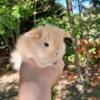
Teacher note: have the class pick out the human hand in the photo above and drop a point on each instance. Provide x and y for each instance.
(35, 82)
(30, 72)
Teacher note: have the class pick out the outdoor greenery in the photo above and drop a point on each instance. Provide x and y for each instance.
(82, 57)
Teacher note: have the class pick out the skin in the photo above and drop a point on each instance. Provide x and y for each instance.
(36, 83)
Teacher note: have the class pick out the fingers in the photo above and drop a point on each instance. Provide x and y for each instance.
(29, 62)
(27, 67)
(50, 74)
(56, 71)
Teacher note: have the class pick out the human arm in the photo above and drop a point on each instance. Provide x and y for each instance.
(35, 82)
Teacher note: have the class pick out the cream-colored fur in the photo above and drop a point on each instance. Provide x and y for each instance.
(31, 45)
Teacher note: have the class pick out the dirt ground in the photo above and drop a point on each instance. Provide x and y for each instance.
(65, 89)
(9, 87)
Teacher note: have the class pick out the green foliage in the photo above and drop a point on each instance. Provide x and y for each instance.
(12, 14)
(53, 20)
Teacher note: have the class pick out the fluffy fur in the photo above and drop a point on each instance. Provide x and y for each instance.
(44, 44)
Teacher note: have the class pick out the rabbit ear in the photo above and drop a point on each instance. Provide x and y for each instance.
(67, 38)
(34, 33)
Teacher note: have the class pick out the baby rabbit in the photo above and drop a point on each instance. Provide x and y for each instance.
(44, 44)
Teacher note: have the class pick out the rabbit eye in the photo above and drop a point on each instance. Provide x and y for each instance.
(46, 44)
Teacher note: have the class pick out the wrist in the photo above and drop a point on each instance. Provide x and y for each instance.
(32, 89)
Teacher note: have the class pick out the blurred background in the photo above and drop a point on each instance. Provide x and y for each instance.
(81, 77)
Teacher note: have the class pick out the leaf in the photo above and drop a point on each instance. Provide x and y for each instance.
(15, 12)
(71, 58)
